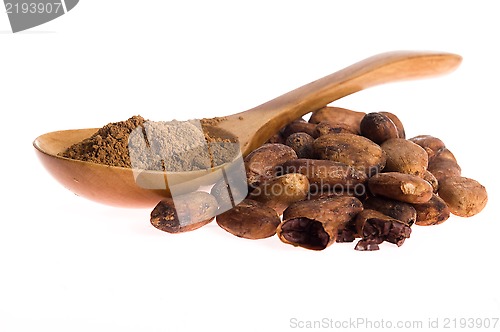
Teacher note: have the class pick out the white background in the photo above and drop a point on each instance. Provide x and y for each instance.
(68, 264)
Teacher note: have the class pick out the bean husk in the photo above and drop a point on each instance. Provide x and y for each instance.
(315, 224)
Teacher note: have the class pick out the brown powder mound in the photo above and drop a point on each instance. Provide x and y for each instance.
(172, 146)
(108, 146)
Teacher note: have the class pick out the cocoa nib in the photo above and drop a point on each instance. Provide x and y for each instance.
(347, 234)
(376, 230)
(306, 233)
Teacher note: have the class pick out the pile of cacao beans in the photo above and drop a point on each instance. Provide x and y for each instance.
(340, 176)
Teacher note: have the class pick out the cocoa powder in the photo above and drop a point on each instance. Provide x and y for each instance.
(108, 146)
(172, 146)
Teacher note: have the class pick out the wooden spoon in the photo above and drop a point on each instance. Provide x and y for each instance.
(119, 186)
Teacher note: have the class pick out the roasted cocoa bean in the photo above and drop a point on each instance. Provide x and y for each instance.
(250, 220)
(315, 224)
(378, 127)
(464, 196)
(338, 117)
(327, 175)
(374, 228)
(443, 154)
(276, 138)
(429, 177)
(401, 211)
(404, 156)
(444, 168)
(261, 163)
(433, 212)
(298, 126)
(402, 187)
(232, 188)
(353, 150)
(397, 122)
(278, 193)
(302, 144)
(324, 128)
(184, 213)
(432, 145)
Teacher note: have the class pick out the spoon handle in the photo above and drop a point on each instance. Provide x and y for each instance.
(253, 127)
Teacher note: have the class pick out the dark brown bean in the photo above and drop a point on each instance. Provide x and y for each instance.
(378, 127)
(397, 122)
(298, 126)
(402, 211)
(302, 144)
(276, 138)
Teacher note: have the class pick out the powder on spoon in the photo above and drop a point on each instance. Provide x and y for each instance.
(164, 145)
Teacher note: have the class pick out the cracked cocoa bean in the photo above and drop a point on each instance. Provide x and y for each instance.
(374, 228)
(315, 224)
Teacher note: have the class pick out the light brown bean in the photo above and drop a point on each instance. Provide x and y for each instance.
(353, 150)
(464, 196)
(405, 156)
(250, 220)
(402, 187)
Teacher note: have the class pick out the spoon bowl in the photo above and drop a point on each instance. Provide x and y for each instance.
(126, 187)
(112, 185)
